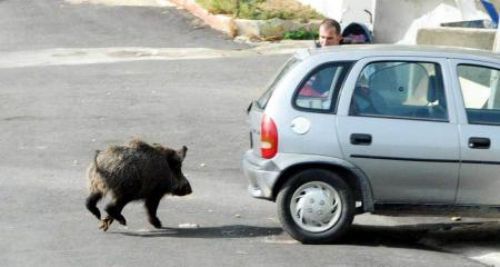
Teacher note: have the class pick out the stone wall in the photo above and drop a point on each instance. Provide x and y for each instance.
(459, 37)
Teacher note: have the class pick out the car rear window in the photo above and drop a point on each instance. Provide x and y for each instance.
(320, 89)
(290, 64)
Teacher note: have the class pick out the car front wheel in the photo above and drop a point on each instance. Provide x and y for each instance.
(316, 206)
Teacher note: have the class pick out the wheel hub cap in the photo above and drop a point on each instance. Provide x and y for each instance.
(315, 206)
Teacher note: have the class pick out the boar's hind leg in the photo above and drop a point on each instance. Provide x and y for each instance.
(151, 206)
(91, 203)
(105, 223)
(114, 210)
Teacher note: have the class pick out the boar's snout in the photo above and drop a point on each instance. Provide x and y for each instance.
(183, 189)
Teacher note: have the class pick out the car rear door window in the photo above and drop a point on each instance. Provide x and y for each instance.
(480, 92)
(320, 89)
(400, 89)
(289, 65)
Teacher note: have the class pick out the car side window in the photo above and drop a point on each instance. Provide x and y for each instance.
(319, 91)
(399, 89)
(480, 92)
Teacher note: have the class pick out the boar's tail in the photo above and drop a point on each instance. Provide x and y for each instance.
(95, 157)
(95, 174)
(97, 188)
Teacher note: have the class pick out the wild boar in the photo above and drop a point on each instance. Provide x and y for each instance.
(136, 171)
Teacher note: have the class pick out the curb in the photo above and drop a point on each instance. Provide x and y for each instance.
(219, 22)
(263, 30)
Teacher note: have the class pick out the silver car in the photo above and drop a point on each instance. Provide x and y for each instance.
(383, 129)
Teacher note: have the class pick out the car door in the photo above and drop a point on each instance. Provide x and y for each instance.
(397, 125)
(478, 85)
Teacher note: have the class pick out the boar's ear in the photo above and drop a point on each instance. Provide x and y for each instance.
(182, 152)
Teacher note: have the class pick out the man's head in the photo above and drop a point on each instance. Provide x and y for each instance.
(329, 33)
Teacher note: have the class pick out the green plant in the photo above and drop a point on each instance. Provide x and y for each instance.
(261, 9)
(301, 34)
(219, 6)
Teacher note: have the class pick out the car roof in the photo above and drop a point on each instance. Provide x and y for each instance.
(362, 51)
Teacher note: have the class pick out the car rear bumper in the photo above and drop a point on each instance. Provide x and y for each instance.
(261, 173)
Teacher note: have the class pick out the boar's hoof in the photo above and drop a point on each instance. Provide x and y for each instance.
(105, 223)
(122, 220)
(155, 222)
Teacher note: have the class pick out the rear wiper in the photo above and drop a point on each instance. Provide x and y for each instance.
(249, 107)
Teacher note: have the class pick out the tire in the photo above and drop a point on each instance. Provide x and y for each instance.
(323, 209)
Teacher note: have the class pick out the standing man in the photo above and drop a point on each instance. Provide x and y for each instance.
(319, 85)
(329, 33)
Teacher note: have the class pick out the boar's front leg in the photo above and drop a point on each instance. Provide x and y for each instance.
(151, 204)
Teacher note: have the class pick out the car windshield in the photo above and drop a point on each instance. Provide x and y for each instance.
(290, 64)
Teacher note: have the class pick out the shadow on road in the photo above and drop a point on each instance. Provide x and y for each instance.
(227, 231)
(426, 236)
(419, 236)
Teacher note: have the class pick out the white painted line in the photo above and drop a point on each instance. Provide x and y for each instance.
(280, 240)
(492, 259)
(144, 3)
(83, 56)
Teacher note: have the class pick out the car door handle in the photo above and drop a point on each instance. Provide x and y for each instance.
(479, 143)
(361, 139)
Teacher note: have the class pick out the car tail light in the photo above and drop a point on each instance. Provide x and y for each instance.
(268, 137)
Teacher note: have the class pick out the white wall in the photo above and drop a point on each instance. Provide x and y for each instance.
(329, 8)
(398, 21)
(344, 11)
(354, 11)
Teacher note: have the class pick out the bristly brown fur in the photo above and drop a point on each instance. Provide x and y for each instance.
(136, 171)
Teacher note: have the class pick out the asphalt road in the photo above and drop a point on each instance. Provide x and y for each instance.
(53, 117)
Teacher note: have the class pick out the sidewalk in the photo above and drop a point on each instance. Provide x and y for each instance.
(153, 3)
(83, 56)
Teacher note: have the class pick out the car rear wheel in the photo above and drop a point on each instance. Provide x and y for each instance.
(316, 206)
